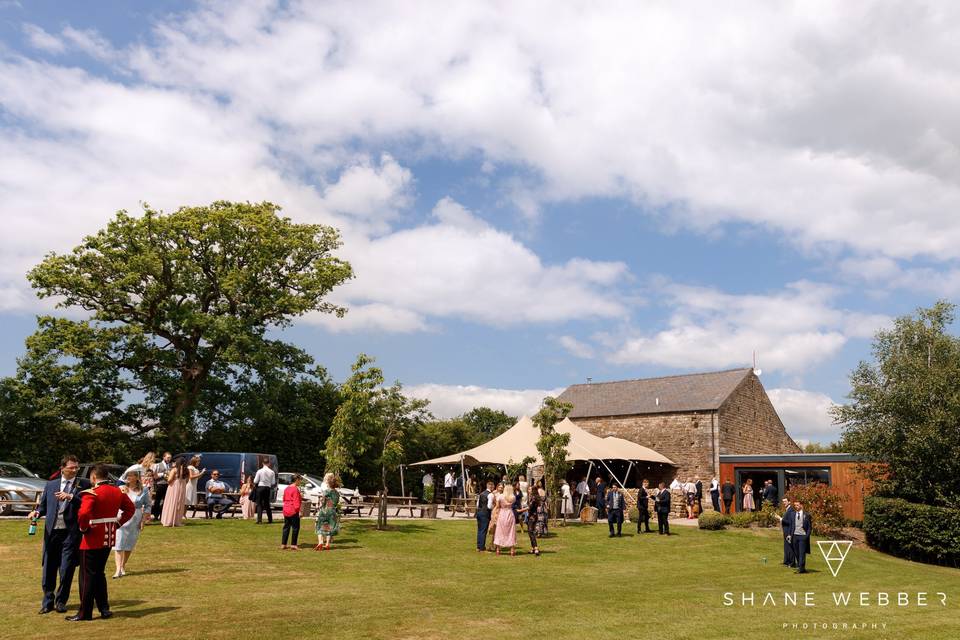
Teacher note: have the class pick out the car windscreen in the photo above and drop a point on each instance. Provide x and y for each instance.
(13, 470)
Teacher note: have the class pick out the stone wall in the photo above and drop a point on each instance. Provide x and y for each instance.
(685, 438)
(749, 424)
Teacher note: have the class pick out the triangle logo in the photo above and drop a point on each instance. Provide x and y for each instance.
(834, 552)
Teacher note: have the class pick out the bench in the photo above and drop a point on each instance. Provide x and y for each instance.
(466, 505)
(400, 503)
(201, 504)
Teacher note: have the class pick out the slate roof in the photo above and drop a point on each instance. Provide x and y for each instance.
(691, 392)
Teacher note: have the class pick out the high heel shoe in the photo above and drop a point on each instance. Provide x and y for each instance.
(513, 552)
(116, 575)
(319, 547)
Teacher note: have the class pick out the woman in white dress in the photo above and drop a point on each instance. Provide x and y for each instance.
(129, 533)
(567, 497)
(194, 476)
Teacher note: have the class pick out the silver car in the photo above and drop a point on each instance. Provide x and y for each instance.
(20, 488)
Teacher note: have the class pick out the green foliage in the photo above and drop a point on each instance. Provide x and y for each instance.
(823, 503)
(552, 446)
(180, 304)
(634, 514)
(515, 469)
(712, 520)
(918, 532)
(488, 423)
(817, 447)
(905, 407)
(741, 519)
(767, 516)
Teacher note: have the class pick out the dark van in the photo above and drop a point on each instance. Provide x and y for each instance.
(233, 467)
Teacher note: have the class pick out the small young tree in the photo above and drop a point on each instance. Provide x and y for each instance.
(399, 416)
(357, 421)
(552, 447)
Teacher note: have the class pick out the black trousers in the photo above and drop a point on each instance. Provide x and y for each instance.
(644, 519)
(663, 523)
(159, 497)
(788, 558)
(60, 557)
(291, 528)
(532, 533)
(615, 516)
(800, 552)
(93, 581)
(715, 499)
(263, 504)
(727, 505)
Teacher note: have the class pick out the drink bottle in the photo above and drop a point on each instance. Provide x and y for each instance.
(32, 531)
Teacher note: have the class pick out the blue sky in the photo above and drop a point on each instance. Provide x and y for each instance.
(529, 197)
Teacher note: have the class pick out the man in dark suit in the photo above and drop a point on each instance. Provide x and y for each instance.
(728, 491)
(798, 533)
(98, 522)
(484, 508)
(770, 493)
(699, 494)
(59, 504)
(643, 507)
(601, 499)
(788, 514)
(663, 509)
(614, 506)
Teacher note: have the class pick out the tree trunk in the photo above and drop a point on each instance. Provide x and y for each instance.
(382, 512)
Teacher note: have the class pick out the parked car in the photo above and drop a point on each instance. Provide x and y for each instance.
(113, 471)
(17, 483)
(233, 467)
(310, 488)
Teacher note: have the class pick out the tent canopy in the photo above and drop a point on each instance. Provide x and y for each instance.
(520, 441)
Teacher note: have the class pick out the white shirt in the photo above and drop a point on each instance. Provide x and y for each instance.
(448, 480)
(583, 488)
(427, 480)
(565, 490)
(714, 485)
(675, 484)
(690, 487)
(61, 523)
(266, 477)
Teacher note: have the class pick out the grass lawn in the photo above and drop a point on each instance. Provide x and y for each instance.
(422, 579)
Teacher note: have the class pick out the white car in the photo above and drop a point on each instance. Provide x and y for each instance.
(19, 488)
(310, 488)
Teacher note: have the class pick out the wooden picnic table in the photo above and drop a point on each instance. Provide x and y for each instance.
(8, 502)
(201, 503)
(467, 505)
(399, 502)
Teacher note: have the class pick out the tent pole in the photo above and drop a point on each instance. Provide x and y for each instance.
(589, 469)
(463, 477)
(403, 490)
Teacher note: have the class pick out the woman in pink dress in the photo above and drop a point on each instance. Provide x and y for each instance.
(248, 507)
(174, 504)
(506, 535)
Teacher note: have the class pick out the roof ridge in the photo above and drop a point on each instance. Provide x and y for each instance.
(679, 375)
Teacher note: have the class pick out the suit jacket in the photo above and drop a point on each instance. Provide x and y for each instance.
(98, 518)
(49, 505)
(609, 501)
(699, 486)
(728, 490)
(770, 493)
(789, 519)
(663, 501)
(602, 492)
(642, 496)
(792, 525)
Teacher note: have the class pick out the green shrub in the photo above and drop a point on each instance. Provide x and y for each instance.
(918, 532)
(634, 514)
(767, 516)
(823, 503)
(428, 493)
(712, 520)
(741, 519)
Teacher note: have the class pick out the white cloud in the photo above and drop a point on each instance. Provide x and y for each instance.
(830, 123)
(448, 401)
(805, 414)
(371, 194)
(40, 39)
(576, 347)
(370, 317)
(790, 330)
(91, 43)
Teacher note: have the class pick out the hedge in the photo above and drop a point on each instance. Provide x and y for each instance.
(913, 531)
(712, 520)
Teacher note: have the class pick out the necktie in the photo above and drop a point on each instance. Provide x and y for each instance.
(66, 489)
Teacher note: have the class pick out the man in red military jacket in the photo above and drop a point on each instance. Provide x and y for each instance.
(98, 522)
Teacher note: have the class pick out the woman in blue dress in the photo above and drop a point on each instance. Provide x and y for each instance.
(129, 533)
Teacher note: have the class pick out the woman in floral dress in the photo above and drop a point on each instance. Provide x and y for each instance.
(328, 518)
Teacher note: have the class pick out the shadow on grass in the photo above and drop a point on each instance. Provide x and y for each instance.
(405, 528)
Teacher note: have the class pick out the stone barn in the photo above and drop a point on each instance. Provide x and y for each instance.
(692, 419)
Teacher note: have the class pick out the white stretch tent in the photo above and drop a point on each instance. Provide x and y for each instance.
(520, 441)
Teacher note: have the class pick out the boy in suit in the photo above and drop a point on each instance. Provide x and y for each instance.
(788, 515)
(59, 504)
(663, 509)
(614, 504)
